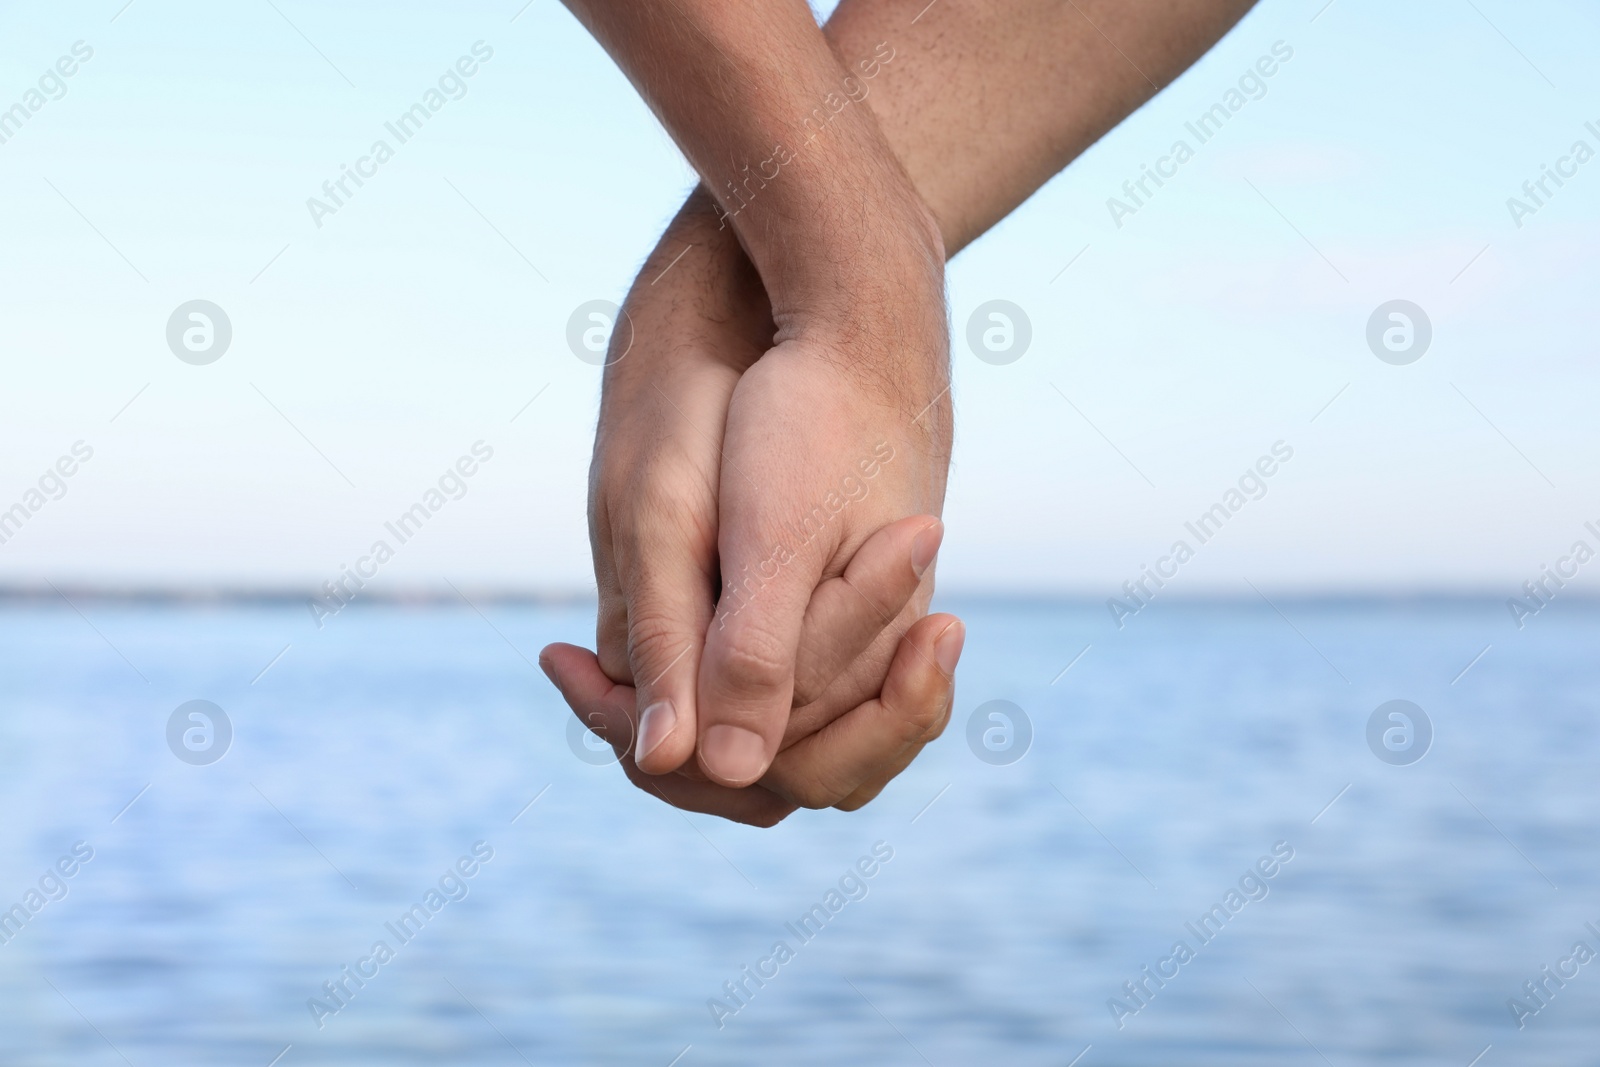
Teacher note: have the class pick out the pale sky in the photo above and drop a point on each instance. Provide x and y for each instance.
(371, 353)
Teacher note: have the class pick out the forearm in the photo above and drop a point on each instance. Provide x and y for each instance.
(983, 101)
(986, 100)
(758, 103)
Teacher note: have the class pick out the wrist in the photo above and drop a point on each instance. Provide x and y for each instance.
(880, 300)
(824, 204)
(875, 294)
(696, 295)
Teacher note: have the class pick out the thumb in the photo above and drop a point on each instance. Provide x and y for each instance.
(747, 671)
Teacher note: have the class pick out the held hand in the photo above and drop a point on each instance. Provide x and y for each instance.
(850, 238)
(845, 764)
(818, 456)
(851, 259)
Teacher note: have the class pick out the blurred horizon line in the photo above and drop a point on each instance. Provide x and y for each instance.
(471, 595)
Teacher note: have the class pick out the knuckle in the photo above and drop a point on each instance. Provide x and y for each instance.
(670, 506)
(821, 660)
(881, 596)
(611, 640)
(916, 719)
(809, 684)
(868, 791)
(936, 730)
(752, 661)
(654, 639)
(814, 790)
(933, 724)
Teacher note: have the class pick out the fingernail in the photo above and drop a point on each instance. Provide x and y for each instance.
(925, 547)
(544, 665)
(655, 723)
(733, 754)
(947, 649)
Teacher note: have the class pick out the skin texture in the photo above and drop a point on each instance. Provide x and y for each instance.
(801, 325)
(653, 510)
(858, 348)
(986, 100)
(843, 764)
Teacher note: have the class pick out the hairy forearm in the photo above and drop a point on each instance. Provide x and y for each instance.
(980, 101)
(986, 100)
(750, 93)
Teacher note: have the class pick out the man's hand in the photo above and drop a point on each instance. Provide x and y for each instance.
(654, 515)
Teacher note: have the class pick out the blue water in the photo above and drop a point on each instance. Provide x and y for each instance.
(1170, 758)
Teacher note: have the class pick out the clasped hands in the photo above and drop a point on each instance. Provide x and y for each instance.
(763, 515)
(771, 456)
(772, 449)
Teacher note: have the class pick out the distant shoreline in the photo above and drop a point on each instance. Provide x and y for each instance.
(281, 595)
(445, 596)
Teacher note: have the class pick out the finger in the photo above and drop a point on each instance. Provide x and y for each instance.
(669, 607)
(848, 612)
(747, 669)
(830, 765)
(753, 805)
(776, 540)
(856, 684)
(607, 707)
(746, 683)
(874, 785)
(611, 635)
(654, 543)
(604, 706)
